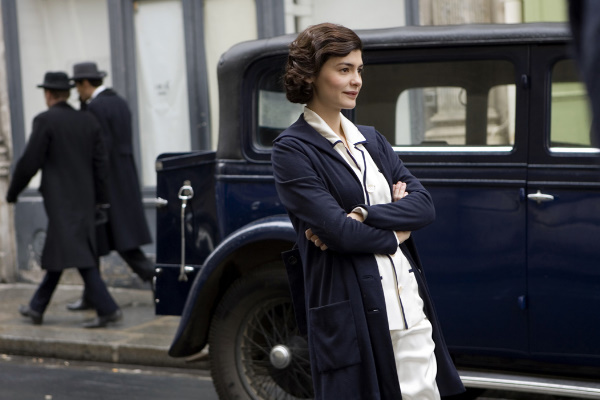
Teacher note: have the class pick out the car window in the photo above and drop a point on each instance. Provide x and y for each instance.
(570, 121)
(275, 113)
(427, 106)
(433, 105)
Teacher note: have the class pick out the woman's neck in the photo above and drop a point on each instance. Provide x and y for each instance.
(331, 117)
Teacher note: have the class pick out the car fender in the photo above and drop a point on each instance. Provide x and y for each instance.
(192, 333)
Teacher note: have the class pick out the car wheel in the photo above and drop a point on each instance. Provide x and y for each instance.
(256, 350)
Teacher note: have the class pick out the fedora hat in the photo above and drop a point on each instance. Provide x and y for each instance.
(56, 80)
(87, 70)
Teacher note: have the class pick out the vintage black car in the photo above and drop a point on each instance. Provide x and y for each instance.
(494, 122)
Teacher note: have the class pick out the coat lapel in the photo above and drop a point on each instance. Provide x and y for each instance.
(302, 131)
(371, 145)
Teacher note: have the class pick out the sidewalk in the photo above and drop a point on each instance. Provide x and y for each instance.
(141, 338)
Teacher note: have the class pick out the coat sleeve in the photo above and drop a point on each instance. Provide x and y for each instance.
(414, 211)
(31, 161)
(304, 195)
(100, 166)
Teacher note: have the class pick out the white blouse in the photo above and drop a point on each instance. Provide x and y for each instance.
(402, 301)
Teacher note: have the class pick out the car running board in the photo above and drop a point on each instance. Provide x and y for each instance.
(582, 389)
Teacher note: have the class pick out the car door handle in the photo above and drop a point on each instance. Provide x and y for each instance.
(540, 197)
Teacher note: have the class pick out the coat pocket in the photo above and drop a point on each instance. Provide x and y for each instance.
(333, 336)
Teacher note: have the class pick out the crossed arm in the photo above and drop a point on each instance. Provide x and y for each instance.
(398, 193)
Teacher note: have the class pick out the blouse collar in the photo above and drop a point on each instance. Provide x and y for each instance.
(353, 135)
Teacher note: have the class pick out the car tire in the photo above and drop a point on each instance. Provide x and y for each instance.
(257, 352)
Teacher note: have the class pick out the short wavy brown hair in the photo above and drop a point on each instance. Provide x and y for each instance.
(311, 49)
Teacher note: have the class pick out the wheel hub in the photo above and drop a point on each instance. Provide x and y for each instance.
(280, 356)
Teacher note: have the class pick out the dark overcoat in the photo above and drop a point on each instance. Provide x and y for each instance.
(127, 227)
(349, 340)
(67, 146)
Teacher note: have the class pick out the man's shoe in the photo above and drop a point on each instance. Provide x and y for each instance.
(36, 317)
(103, 321)
(79, 305)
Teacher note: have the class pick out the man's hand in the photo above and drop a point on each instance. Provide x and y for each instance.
(315, 239)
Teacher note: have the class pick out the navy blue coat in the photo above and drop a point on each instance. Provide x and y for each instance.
(350, 347)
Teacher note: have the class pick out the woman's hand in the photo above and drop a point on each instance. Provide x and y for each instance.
(357, 216)
(315, 239)
(402, 236)
(318, 242)
(399, 191)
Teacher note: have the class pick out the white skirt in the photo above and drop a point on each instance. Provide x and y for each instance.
(415, 362)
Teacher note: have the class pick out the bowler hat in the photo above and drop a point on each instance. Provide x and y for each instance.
(56, 80)
(87, 70)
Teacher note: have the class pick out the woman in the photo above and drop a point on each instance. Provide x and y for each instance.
(353, 205)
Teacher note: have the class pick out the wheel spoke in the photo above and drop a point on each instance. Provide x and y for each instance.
(257, 363)
(258, 327)
(299, 358)
(275, 332)
(255, 345)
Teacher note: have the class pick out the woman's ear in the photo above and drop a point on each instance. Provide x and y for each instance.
(309, 80)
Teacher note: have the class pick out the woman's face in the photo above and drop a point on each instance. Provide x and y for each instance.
(338, 83)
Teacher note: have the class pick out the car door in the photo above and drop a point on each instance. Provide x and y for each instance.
(563, 214)
(457, 118)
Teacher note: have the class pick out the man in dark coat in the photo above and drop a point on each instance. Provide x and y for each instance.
(126, 229)
(67, 146)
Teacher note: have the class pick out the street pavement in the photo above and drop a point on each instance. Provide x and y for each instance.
(141, 338)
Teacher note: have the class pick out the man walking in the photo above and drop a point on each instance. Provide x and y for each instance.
(126, 229)
(67, 146)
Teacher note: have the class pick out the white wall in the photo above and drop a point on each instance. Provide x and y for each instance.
(357, 14)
